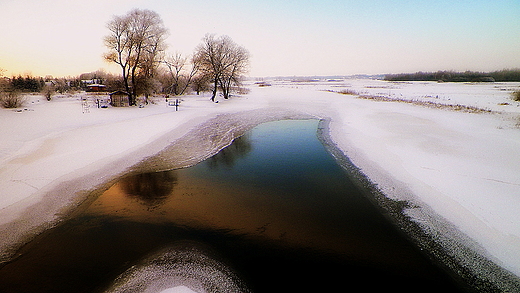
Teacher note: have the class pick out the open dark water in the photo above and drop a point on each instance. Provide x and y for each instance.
(274, 207)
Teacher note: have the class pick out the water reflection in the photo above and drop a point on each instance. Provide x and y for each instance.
(286, 189)
(227, 157)
(150, 188)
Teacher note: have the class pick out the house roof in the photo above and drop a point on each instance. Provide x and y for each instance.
(118, 93)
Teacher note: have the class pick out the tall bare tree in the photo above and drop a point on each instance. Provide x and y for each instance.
(135, 43)
(223, 61)
(237, 65)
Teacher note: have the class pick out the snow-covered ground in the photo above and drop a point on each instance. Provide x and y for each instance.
(456, 167)
(188, 266)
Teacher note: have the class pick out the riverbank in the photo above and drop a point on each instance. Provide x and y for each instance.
(457, 170)
(54, 156)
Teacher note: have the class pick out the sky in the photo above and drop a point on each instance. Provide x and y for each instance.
(284, 38)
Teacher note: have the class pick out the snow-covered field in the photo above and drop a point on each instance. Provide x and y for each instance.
(460, 169)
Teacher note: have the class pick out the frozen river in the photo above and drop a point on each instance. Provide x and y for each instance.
(271, 212)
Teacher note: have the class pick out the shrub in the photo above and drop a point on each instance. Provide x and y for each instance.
(48, 91)
(516, 95)
(11, 100)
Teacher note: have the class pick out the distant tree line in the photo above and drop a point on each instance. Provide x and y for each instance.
(32, 84)
(453, 76)
(27, 83)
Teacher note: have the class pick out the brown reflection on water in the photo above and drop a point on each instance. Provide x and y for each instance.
(151, 188)
(198, 203)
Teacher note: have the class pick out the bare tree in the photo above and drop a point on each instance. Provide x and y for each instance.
(238, 62)
(223, 61)
(181, 75)
(135, 43)
(200, 83)
(175, 64)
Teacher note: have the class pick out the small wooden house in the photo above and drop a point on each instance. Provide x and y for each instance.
(119, 99)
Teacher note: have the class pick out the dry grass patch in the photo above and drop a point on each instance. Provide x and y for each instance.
(456, 107)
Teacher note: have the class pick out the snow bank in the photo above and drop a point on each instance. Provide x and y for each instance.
(183, 267)
(178, 289)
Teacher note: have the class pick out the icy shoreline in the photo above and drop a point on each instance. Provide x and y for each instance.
(458, 171)
(440, 240)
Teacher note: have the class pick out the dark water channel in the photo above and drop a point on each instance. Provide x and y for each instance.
(274, 206)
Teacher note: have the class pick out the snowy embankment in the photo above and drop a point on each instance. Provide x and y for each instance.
(52, 155)
(460, 170)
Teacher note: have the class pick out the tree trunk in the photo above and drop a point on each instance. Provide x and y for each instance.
(127, 86)
(225, 89)
(215, 87)
(225, 84)
(132, 95)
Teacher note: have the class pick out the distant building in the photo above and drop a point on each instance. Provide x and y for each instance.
(51, 83)
(119, 99)
(96, 87)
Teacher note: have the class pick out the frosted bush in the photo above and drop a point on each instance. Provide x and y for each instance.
(11, 100)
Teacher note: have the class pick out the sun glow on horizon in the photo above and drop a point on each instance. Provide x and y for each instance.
(63, 38)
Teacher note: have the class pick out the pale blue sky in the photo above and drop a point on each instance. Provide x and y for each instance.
(309, 37)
